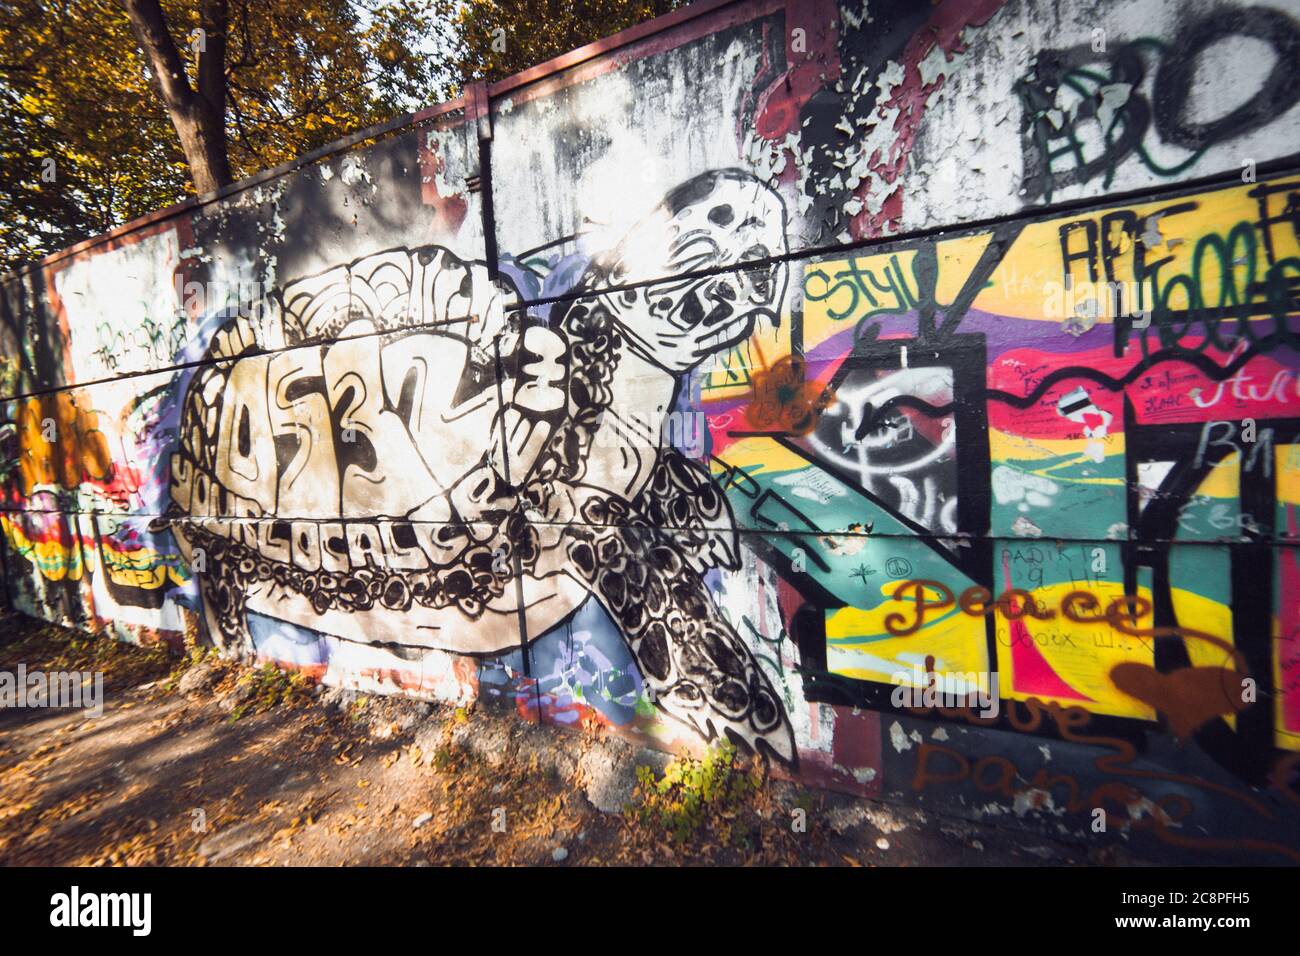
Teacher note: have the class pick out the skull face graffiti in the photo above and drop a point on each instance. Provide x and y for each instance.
(726, 217)
(410, 469)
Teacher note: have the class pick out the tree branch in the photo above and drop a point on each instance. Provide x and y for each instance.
(214, 17)
(199, 116)
(151, 32)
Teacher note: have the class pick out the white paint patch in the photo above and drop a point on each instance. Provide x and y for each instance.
(123, 309)
(1247, 60)
(354, 171)
(1035, 800)
(1025, 528)
(1013, 486)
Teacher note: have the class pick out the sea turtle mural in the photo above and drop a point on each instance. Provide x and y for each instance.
(402, 457)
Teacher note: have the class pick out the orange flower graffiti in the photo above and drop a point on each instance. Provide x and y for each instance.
(784, 401)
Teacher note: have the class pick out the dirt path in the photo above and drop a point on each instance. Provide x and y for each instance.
(214, 763)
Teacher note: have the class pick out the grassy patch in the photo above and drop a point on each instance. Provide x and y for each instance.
(193, 655)
(698, 797)
(265, 687)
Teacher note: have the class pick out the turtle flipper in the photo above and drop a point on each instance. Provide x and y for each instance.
(700, 671)
(681, 495)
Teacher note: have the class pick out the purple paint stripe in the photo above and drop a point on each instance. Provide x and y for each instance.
(1003, 333)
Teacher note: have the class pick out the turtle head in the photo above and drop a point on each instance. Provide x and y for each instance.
(710, 251)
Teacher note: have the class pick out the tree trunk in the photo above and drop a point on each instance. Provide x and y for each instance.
(199, 116)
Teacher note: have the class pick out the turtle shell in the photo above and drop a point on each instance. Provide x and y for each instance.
(334, 463)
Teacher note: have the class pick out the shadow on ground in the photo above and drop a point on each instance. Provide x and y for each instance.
(201, 761)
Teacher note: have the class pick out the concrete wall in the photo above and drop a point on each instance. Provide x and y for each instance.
(906, 391)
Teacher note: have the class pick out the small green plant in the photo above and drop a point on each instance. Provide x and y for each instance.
(191, 655)
(357, 709)
(698, 794)
(268, 686)
(196, 653)
(443, 758)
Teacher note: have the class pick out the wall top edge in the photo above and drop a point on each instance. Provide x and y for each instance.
(559, 64)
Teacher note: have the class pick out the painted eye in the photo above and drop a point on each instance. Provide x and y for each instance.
(760, 283)
(721, 215)
(245, 439)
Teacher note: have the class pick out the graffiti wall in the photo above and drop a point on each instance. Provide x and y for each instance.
(907, 393)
